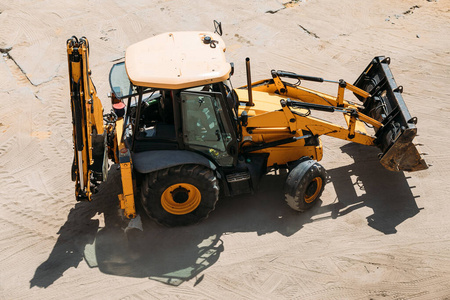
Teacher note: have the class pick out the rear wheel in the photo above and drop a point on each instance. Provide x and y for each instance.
(180, 195)
(304, 185)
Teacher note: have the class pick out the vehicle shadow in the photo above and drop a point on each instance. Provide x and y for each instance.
(80, 229)
(365, 183)
(176, 255)
(169, 255)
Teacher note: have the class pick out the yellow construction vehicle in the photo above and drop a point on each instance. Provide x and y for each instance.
(182, 135)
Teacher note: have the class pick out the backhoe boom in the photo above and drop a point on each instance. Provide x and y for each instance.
(91, 136)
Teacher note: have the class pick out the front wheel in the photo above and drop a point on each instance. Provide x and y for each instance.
(304, 185)
(180, 195)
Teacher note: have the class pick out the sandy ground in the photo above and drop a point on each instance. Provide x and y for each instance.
(375, 234)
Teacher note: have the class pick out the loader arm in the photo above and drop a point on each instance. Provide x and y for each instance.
(94, 141)
(383, 109)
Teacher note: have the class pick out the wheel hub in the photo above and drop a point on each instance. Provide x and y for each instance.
(180, 195)
(313, 189)
(181, 198)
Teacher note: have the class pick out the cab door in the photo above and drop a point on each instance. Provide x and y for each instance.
(207, 127)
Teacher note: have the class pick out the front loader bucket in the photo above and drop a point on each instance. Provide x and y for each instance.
(387, 106)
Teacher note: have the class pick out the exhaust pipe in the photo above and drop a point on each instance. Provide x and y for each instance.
(249, 82)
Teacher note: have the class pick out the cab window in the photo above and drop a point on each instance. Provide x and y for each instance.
(204, 126)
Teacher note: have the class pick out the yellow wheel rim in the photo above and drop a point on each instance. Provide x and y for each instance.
(181, 198)
(313, 189)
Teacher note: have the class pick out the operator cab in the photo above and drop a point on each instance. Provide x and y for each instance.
(178, 103)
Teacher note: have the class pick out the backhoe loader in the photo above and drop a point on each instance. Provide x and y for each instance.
(182, 135)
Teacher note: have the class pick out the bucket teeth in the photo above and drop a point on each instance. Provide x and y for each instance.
(403, 155)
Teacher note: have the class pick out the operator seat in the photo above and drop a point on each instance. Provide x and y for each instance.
(166, 106)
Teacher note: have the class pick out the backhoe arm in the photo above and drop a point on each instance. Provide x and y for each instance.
(95, 142)
(87, 119)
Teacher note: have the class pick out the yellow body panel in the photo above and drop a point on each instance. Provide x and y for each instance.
(281, 155)
(271, 125)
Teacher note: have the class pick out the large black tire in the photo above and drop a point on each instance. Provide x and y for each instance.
(180, 195)
(304, 185)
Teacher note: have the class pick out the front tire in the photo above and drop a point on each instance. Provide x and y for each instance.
(180, 195)
(304, 185)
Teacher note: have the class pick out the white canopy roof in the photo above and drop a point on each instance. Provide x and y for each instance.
(177, 60)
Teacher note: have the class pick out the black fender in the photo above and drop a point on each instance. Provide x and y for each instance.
(150, 161)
